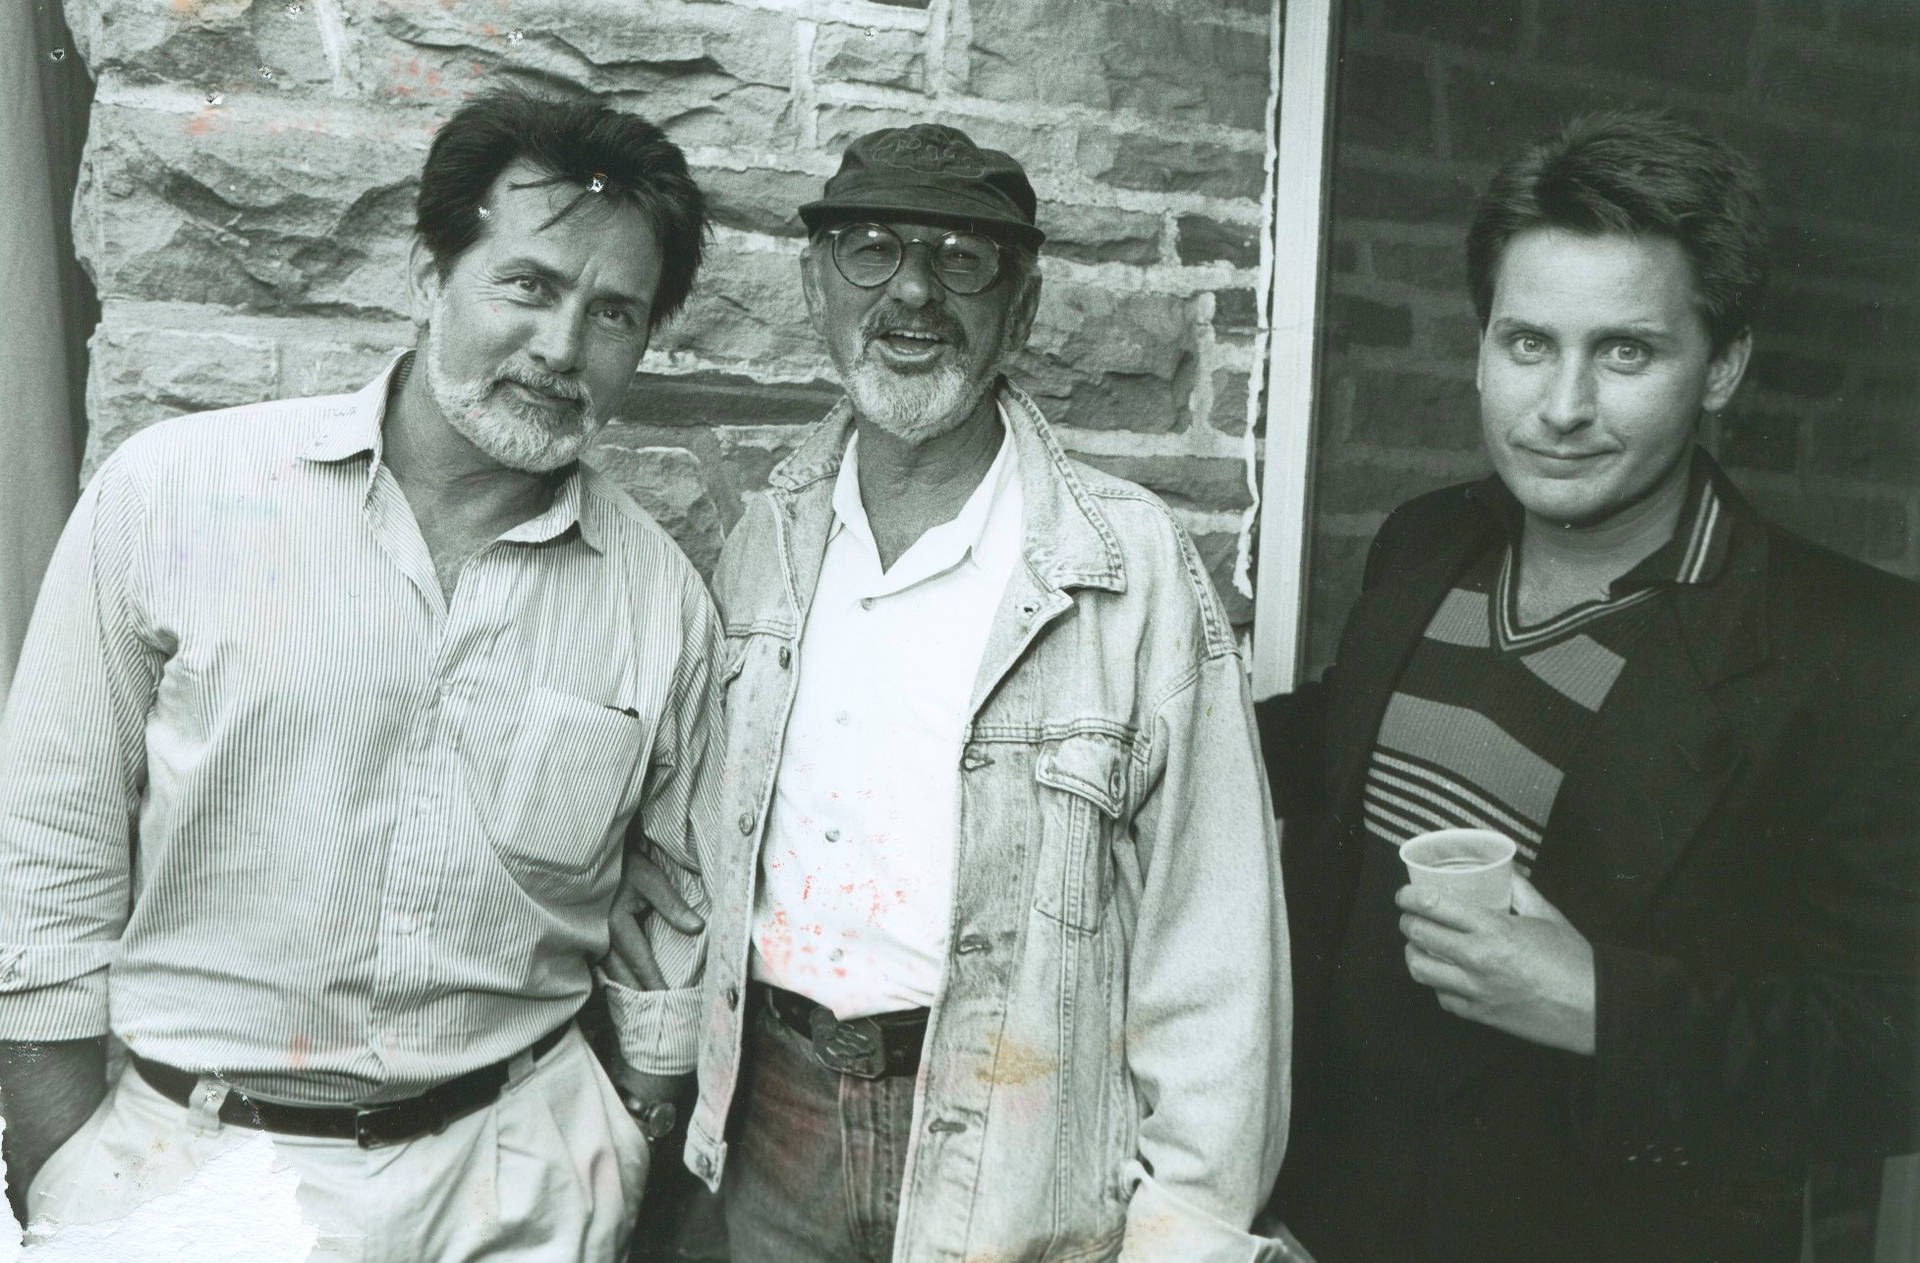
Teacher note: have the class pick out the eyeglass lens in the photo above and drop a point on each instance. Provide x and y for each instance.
(869, 254)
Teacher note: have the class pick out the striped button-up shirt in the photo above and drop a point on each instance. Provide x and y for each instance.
(272, 805)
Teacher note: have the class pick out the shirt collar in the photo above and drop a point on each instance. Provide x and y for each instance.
(1695, 554)
(942, 547)
(356, 427)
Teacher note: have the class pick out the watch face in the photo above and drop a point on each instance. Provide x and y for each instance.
(657, 1119)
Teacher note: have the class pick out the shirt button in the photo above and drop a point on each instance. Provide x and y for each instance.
(866, 602)
(786, 656)
(833, 835)
(970, 944)
(733, 997)
(746, 822)
(843, 719)
(837, 955)
(950, 1125)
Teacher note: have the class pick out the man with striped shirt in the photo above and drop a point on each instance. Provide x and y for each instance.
(331, 721)
(1700, 732)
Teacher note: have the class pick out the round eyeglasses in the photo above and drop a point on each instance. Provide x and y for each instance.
(868, 255)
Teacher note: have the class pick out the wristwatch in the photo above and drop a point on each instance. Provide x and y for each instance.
(655, 1118)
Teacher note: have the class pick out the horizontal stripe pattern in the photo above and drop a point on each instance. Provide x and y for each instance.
(379, 834)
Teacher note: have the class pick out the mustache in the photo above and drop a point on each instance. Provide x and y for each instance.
(893, 317)
(547, 383)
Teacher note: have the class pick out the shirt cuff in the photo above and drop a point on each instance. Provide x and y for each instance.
(1162, 1227)
(659, 1031)
(54, 992)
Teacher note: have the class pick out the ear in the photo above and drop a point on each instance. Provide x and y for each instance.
(1020, 319)
(1725, 370)
(810, 288)
(423, 282)
(1480, 364)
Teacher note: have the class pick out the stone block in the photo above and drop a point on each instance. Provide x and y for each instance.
(1219, 550)
(1873, 434)
(1873, 528)
(1486, 26)
(1356, 321)
(1229, 414)
(142, 375)
(714, 399)
(1492, 116)
(1792, 374)
(761, 200)
(891, 58)
(1186, 482)
(1702, 47)
(1823, 253)
(667, 483)
(1204, 239)
(1812, 176)
(1878, 98)
(1339, 559)
(267, 208)
(1750, 438)
(1109, 360)
(219, 45)
(1172, 65)
(1401, 197)
(1448, 335)
(1161, 164)
(746, 313)
(1384, 103)
(1439, 268)
(1414, 409)
(1235, 309)
(1351, 481)
(1100, 234)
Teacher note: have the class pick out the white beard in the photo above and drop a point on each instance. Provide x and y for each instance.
(518, 436)
(914, 407)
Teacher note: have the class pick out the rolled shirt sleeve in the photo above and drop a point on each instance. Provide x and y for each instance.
(72, 769)
(659, 1031)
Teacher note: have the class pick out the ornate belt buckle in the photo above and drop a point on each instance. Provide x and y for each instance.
(856, 1048)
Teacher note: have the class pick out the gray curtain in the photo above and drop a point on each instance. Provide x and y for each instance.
(44, 94)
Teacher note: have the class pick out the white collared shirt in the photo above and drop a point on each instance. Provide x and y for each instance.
(856, 885)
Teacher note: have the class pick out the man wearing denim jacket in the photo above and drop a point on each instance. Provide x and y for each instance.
(997, 959)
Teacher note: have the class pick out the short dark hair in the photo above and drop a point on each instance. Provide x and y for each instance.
(576, 142)
(1636, 171)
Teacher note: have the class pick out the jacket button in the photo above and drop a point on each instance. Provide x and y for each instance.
(951, 1125)
(746, 822)
(733, 997)
(786, 656)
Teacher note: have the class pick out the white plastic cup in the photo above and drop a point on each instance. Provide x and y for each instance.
(1470, 866)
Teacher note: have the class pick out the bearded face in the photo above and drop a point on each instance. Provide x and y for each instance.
(518, 414)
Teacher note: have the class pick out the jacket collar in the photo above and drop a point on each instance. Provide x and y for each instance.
(1068, 540)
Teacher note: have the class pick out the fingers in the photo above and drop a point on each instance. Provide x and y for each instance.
(1529, 902)
(1443, 976)
(654, 885)
(1425, 903)
(633, 955)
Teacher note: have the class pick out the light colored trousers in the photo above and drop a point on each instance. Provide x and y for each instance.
(551, 1171)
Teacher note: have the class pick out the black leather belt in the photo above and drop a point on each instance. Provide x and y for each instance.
(367, 1126)
(876, 1047)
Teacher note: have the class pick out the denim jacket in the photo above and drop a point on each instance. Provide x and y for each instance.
(1106, 1065)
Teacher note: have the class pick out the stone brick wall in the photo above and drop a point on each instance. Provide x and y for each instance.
(250, 175)
(1823, 94)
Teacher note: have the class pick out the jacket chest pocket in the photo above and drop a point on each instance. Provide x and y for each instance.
(566, 781)
(1082, 793)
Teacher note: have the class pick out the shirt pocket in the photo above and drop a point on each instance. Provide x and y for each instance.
(568, 773)
(1082, 795)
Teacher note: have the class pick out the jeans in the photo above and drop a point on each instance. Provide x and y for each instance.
(815, 1174)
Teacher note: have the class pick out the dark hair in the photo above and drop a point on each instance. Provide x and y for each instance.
(1635, 171)
(576, 142)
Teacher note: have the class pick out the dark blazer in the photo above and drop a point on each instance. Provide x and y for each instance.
(1739, 839)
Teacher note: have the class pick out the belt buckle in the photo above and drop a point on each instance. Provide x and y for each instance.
(857, 1048)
